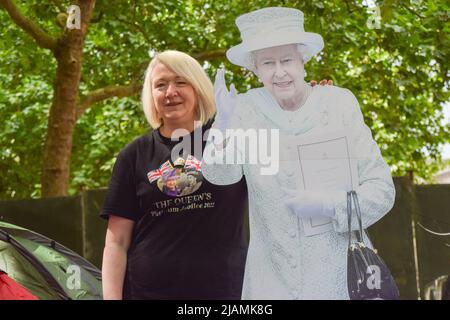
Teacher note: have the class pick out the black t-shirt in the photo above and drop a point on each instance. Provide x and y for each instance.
(189, 239)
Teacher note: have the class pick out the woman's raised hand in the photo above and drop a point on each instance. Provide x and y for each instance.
(225, 100)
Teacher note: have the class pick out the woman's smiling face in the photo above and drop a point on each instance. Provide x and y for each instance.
(174, 97)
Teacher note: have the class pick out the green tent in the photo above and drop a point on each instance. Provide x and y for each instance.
(46, 268)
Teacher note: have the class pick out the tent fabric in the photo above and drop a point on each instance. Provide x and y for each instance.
(11, 290)
(45, 267)
(23, 272)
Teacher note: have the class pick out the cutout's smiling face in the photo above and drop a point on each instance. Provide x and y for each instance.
(281, 70)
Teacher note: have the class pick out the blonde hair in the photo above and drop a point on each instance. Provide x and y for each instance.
(187, 67)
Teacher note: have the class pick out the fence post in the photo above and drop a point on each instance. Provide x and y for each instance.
(94, 228)
(433, 214)
(392, 236)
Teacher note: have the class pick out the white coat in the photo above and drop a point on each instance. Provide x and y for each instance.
(283, 263)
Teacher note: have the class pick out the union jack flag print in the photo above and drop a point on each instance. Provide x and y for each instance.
(193, 163)
(157, 173)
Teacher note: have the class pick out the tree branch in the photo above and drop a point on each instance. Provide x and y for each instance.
(106, 93)
(58, 4)
(209, 55)
(133, 88)
(412, 11)
(43, 39)
(98, 18)
(137, 27)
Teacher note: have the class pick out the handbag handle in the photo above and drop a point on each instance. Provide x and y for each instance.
(351, 195)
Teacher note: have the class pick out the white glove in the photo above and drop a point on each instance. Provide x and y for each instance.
(225, 101)
(309, 203)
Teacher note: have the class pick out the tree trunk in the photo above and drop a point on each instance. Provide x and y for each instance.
(62, 115)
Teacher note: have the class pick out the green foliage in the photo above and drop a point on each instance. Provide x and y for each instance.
(24, 115)
(99, 136)
(399, 73)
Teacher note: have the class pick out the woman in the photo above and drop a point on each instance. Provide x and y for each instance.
(284, 261)
(161, 244)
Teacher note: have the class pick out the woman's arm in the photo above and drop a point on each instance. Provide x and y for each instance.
(117, 242)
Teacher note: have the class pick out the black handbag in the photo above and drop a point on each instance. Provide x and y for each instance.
(368, 277)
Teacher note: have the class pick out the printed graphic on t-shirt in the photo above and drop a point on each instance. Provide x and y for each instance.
(182, 178)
